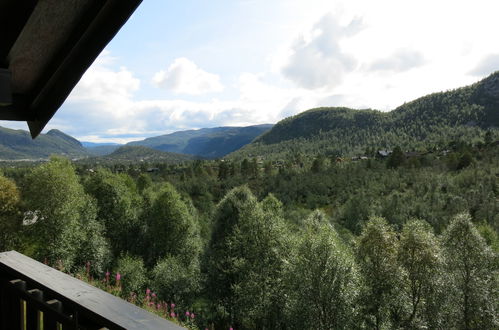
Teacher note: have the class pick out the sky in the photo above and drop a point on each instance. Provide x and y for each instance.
(190, 64)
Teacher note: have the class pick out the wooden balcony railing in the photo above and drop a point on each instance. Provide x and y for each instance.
(35, 296)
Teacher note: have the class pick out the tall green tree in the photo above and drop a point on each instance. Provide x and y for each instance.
(244, 261)
(377, 258)
(318, 165)
(420, 256)
(396, 158)
(223, 170)
(246, 170)
(118, 207)
(57, 203)
(10, 217)
(144, 182)
(172, 229)
(323, 279)
(473, 276)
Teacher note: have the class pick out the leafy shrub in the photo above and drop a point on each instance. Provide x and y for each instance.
(174, 281)
(132, 273)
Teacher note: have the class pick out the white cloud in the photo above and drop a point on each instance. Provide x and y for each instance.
(102, 99)
(486, 66)
(317, 59)
(399, 61)
(185, 77)
(111, 88)
(104, 108)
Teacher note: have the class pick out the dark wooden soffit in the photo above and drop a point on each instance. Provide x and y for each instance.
(47, 45)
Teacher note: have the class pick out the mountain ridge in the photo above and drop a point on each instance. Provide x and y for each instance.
(18, 144)
(206, 142)
(435, 119)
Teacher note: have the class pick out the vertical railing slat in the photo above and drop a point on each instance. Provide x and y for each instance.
(17, 305)
(4, 306)
(49, 320)
(32, 312)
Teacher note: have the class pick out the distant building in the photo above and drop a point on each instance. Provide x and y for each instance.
(383, 153)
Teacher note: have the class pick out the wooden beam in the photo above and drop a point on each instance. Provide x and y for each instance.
(17, 111)
(76, 58)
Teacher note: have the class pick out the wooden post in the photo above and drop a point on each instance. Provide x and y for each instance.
(32, 312)
(5, 305)
(15, 320)
(49, 320)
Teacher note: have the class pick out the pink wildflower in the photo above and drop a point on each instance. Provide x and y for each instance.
(118, 277)
(148, 291)
(172, 305)
(153, 295)
(192, 316)
(187, 314)
(158, 306)
(172, 314)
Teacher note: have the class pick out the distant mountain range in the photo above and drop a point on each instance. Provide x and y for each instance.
(203, 143)
(206, 142)
(433, 120)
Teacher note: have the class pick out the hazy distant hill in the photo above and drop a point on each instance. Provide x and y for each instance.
(100, 149)
(435, 119)
(17, 144)
(87, 144)
(205, 142)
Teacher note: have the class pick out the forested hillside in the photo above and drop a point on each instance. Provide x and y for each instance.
(428, 122)
(18, 144)
(136, 154)
(408, 241)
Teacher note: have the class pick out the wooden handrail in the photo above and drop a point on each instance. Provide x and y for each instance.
(32, 293)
